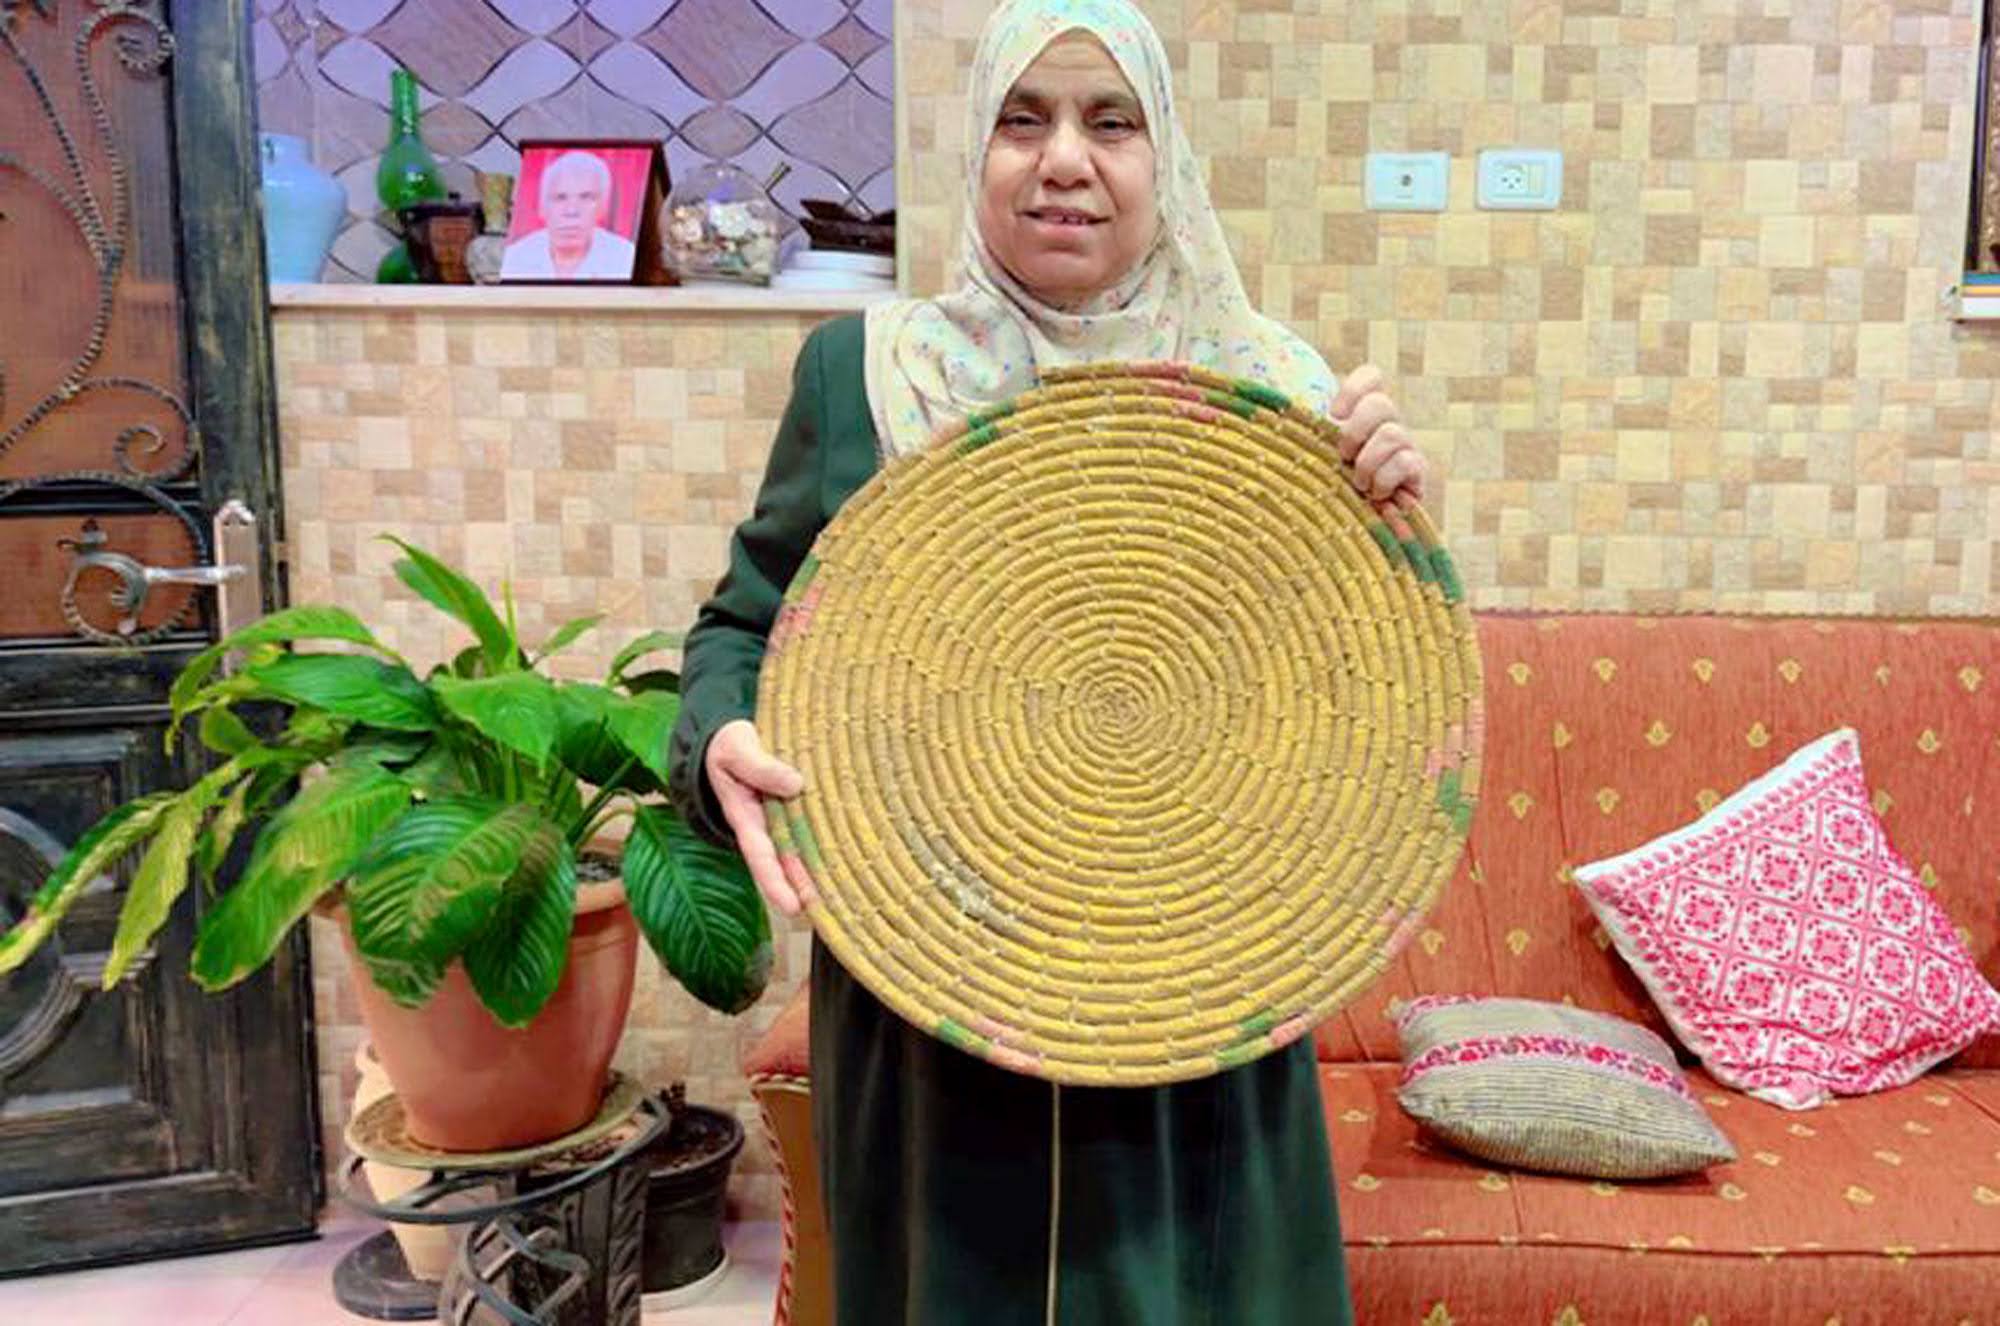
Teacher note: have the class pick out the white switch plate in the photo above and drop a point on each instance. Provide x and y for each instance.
(1407, 181)
(1520, 179)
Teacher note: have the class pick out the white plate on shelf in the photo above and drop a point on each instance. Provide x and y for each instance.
(793, 279)
(834, 260)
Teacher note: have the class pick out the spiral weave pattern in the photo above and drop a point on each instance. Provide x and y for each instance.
(1136, 742)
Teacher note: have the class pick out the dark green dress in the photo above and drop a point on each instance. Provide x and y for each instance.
(957, 1192)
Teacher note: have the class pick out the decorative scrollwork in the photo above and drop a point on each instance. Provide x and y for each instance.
(143, 45)
(133, 581)
(625, 1245)
(8, 9)
(43, 998)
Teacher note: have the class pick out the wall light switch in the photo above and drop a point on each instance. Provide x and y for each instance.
(1520, 179)
(1407, 181)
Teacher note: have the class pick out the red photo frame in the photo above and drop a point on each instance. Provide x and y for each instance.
(586, 211)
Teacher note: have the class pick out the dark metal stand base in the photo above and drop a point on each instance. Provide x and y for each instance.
(374, 1281)
(561, 1246)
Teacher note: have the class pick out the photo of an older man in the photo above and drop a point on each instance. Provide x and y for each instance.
(583, 216)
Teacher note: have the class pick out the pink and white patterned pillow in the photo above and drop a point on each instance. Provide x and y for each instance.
(1789, 945)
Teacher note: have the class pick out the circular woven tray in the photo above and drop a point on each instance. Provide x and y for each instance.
(1135, 741)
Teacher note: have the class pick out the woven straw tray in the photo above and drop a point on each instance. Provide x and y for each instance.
(1136, 742)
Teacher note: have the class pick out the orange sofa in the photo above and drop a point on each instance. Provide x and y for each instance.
(1603, 732)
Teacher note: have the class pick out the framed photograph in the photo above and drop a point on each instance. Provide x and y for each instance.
(587, 210)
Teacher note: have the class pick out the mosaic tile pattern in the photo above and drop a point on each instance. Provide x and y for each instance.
(754, 82)
(1721, 377)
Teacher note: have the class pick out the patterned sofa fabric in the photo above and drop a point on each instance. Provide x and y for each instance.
(1882, 1208)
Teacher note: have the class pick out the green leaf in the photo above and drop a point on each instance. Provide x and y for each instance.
(305, 622)
(587, 744)
(517, 961)
(435, 774)
(430, 884)
(515, 709)
(699, 909)
(315, 733)
(304, 851)
(222, 693)
(649, 643)
(644, 725)
(389, 750)
(268, 770)
(161, 878)
(273, 779)
(457, 597)
(583, 731)
(661, 680)
(211, 848)
(569, 633)
(101, 847)
(350, 686)
(224, 733)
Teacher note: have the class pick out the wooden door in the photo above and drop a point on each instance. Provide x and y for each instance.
(136, 430)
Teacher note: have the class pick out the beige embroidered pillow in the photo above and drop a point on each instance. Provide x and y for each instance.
(1542, 1086)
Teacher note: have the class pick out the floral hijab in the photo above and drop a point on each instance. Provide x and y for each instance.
(932, 362)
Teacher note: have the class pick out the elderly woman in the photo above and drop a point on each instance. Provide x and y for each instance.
(957, 1192)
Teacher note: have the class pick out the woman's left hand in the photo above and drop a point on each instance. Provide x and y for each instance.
(1387, 465)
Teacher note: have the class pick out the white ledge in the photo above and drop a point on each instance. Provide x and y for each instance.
(570, 298)
(1977, 308)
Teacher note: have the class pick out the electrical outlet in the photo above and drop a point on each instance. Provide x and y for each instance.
(1520, 179)
(1407, 181)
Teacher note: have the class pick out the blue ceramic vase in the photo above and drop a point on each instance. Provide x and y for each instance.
(303, 206)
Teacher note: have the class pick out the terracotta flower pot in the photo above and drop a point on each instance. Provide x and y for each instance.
(469, 1084)
(427, 1249)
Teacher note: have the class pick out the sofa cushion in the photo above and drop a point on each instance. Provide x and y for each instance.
(1534, 1085)
(1789, 944)
(1879, 1202)
(1605, 731)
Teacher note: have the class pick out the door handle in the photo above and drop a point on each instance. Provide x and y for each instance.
(184, 575)
(236, 579)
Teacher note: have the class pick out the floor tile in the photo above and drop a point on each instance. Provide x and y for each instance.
(292, 1285)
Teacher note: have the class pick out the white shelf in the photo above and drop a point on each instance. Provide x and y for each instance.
(1977, 308)
(570, 298)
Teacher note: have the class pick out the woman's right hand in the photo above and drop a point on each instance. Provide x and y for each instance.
(743, 773)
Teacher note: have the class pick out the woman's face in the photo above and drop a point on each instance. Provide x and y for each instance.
(1066, 203)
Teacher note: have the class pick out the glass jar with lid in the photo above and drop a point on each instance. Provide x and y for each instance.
(721, 224)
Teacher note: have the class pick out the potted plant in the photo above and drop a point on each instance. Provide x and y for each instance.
(443, 817)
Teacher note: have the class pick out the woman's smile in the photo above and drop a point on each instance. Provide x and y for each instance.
(1063, 218)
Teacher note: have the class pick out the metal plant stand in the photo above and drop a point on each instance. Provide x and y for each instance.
(560, 1246)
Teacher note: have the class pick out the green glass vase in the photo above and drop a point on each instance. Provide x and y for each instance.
(396, 267)
(408, 173)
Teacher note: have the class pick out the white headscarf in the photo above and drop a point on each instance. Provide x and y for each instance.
(932, 362)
